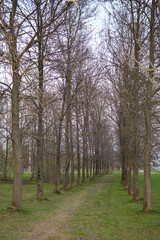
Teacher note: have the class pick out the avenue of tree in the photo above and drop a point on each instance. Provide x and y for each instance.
(70, 111)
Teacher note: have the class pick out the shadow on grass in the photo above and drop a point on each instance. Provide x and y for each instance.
(136, 201)
(20, 211)
(151, 212)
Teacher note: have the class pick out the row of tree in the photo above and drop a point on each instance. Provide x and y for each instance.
(133, 53)
(53, 106)
(66, 109)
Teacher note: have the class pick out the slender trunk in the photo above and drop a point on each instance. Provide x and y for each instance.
(6, 159)
(91, 162)
(86, 144)
(87, 163)
(58, 149)
(30, 157)
(90, 167)
(68, 122)
(129, 178)
(124, 171)
(135, 173)
(123, 157)
(97, 153)
(72, 155)
(147, 204)
(77, 140)
(58, 163)
(33, 160)
(40, 109)
(84, 158)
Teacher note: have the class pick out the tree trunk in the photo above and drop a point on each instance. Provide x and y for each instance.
(124, 169)
(77, 141)
(16, 138)
(30, 157)
(58, 149)
(135, 172)
(58, 159)
(58, 165)
(40, 108)
(68, 121)
(147, 204)
(84, 157)
(129, 178)
(6, 159)
(16, 142)
(97, 152)
(136, 28)
(72, 155)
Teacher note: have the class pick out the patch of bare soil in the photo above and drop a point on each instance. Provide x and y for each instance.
(57, 227)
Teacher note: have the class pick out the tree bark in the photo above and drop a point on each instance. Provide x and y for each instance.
(77, 142)
(6, 159)
(58, 163)
(40, 108)
(147, 204)
(30, 157)
(58, 148)
(16, 141)
(84, 157)
(136, 29)
(129, 178)
(68, 120)
(16, 138)
(72, 155)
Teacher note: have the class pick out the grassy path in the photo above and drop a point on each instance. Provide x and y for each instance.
(97, 210)
(60, 226)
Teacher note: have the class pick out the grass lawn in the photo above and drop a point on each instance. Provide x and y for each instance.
(98, 209)
(116, 216)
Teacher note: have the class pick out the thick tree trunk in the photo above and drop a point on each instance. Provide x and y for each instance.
(147, 204)
(136, 32)
(16, 138)
(16, 142)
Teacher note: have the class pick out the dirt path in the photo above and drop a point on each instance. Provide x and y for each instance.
(56, 227)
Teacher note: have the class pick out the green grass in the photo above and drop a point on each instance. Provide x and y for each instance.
(116, 216)
(106, 213)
